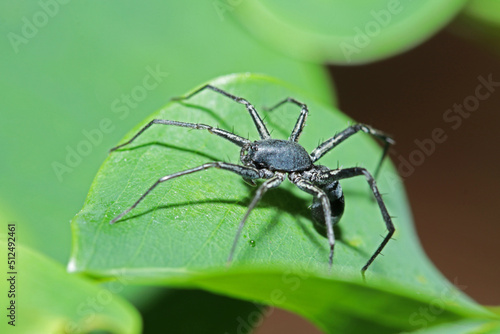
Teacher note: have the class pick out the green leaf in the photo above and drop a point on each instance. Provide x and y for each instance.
(181, 234)
(484, 10)
(110, 49)
(464, 327)
(479, 22)
(344, 32)
(49, 300)
(197, 311)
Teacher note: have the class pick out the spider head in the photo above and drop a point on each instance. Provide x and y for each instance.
(247, 153)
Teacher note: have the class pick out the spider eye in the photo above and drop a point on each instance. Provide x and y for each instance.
(244, 154)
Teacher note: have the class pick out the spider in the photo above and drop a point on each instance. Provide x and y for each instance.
(275, 159)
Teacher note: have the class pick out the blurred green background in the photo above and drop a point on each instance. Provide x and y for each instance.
(75, 73)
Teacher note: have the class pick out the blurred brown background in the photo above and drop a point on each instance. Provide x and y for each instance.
(454, 192)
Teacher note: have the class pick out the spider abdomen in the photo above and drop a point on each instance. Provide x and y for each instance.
(336, 197)
(277, 155)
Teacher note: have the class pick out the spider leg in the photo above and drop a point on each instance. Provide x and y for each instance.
(329, 144)
(235, 139)
(320, 194)
(246, 172)
(273, 182)
(261, 128)
(301, 121)
(339, 174)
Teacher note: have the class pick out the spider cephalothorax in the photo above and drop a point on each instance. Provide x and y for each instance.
(274, 159)
(276, 155)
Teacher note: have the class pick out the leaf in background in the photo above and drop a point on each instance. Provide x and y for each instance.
(479, 22)
(465, 327)
(484, 10)
(49, 300)
(106, 54)
(200, 312)
(344, 32)
(181, 234)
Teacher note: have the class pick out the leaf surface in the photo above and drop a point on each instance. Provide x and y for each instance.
(49, 300)
(344, 32)
(181, 234)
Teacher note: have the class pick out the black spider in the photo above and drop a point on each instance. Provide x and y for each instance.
(274, 159)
